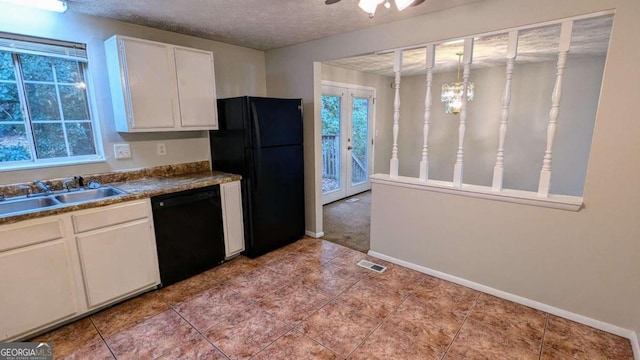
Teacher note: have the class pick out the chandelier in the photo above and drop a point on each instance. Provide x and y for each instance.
(452, 92)
(370, 6)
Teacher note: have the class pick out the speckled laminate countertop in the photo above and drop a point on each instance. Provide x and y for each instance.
(137, 188)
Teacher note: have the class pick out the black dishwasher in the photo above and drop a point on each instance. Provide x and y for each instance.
(189, 234)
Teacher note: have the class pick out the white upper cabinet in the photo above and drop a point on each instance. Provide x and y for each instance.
(196, 88)
(160, 87)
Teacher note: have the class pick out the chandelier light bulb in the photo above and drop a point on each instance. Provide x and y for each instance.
(452, 93)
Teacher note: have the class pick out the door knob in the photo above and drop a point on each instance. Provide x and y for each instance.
(349, 147)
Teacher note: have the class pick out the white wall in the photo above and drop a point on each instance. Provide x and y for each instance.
(585, 262)
(239, 71)
(527, 130)
(383, 108)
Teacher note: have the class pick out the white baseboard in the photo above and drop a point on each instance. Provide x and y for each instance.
(597, 324)
(314, 234)
(635, 345)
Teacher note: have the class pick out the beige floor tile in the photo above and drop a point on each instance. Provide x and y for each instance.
(477, 340)
(119, 317)
(294, 345)
(339, 327)
(569, 339)
(68, 339)
(244, 335)
(187, 289)
(151, 338)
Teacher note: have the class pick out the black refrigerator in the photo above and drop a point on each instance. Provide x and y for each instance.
(261, 139)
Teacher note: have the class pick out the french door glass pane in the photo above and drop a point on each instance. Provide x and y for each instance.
(49, 138)
(14, 144)
(359, 140)
(330, 143)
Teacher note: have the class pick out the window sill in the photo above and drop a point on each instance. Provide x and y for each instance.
(563, 202)
(40, 165)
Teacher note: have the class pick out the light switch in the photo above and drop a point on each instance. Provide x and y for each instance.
(122, 151)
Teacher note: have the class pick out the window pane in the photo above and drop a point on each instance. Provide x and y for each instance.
(74, 103)
(14, 145)
(6, 66)
(43, 102)
(67, 71)
(80, 137)
(49, 140)
(36, 68)
(9, 102)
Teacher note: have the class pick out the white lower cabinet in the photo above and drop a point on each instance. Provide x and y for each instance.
(231, 198)
(117, 251)
(117, 261)
(49, 274)
(38, 276)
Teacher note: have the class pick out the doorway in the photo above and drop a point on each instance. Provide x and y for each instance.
(347, 141)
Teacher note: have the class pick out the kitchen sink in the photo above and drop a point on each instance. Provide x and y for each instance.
(88, 195)
(38, 202)
(24, 205)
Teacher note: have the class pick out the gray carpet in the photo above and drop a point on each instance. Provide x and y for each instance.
(347, 222)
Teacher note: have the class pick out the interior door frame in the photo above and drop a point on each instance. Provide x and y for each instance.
(347, 92)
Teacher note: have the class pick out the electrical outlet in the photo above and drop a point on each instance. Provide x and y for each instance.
(162, 149)
(122, 151)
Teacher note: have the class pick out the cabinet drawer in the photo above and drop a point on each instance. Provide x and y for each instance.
(29, 233)
(113, 215)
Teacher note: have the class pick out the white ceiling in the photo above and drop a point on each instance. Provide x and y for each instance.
(258, 24)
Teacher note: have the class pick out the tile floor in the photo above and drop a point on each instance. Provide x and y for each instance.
(310, 301)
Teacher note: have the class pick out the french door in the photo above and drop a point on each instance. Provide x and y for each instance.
(347, 118)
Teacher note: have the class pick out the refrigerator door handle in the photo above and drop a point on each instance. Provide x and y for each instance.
(256, 124)
(258, 147)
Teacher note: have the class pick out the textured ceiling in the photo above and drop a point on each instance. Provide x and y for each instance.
(590, 37)
(258, 24)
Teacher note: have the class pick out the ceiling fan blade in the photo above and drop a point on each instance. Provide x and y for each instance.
(329, 2)
(415, 3)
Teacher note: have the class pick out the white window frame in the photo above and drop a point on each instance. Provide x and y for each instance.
(55, 49)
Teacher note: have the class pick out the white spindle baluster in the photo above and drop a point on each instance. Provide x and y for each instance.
(424, 163)
(545, 173)
(397, 68)
(498, 170)
(467, 58)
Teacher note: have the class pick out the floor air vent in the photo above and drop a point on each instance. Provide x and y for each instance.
(371, 266)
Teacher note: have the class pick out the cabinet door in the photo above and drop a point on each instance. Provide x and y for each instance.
(37, 288)
(232, 215)
(149, 73)
(196, 89)
(117, 261)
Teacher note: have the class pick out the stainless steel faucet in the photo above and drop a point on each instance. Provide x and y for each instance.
(45, 188)
(25, 187)
(68, 182)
